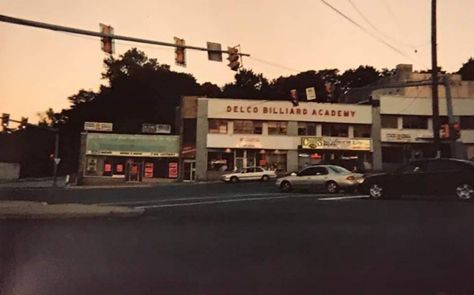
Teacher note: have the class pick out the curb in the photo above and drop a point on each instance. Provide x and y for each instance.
(19, 210)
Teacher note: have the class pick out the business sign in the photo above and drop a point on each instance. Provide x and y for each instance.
(284, 110)
(173, 170)
(156, 128)
(310, 93)
(336, 143)
(98, 126)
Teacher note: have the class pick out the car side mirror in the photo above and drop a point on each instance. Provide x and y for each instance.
(293, 174)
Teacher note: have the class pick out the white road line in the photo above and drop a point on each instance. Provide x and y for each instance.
(211, 202)
(165, 200)
(344, 198)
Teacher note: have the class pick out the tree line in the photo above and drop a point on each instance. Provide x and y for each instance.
(138, 90)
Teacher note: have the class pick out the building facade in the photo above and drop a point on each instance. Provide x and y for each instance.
(108, 157)
(233, 133)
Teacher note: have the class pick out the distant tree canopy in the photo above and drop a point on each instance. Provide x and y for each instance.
(467, 70)
(140, 90)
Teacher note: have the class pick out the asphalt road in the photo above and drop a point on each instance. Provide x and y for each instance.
(125, 194)
(248, 244)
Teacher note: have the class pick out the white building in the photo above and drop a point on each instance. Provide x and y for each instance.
(234, 133)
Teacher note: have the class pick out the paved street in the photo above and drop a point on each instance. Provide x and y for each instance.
(247, 243)
(131, 194)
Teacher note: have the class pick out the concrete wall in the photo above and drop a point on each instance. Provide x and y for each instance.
(202, 126)
(9, 171)
(292, 155)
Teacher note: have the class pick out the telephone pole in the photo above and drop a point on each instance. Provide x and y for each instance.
(434, 81)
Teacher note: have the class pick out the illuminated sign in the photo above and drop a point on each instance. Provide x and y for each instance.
(336, 143)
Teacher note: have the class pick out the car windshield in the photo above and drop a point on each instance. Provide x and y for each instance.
(339, 170)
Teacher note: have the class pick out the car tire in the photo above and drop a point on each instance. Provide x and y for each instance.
(375, 191)
(285, 186)
(265, 178)
(332, 187)
(234, 179)
(465, 192)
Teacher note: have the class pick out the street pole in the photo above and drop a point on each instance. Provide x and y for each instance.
(434, 81)
(55, 160)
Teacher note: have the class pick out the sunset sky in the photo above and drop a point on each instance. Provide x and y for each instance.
(41, 68)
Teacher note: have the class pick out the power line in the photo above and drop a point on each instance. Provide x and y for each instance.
(41, 25)
(368, 32)
(366, 19)
(275, 65)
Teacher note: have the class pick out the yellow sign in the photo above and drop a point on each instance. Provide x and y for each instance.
(335, 143)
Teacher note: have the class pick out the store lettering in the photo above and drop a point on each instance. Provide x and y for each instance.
(290, 111)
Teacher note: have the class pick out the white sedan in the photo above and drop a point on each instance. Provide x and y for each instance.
(249, 173)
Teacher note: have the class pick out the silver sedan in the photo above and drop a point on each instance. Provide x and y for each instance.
(330, 178)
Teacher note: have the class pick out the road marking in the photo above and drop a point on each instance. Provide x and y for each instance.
(166, 200)
(210, 202)
(343, 198)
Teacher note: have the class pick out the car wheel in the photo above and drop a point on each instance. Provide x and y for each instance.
(332, 187)
(465, 192)
(234, 179)
(265, 178)
(376, 191)
(285, 186)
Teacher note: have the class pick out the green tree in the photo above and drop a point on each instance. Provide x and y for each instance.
(247, 84)
(467, 70)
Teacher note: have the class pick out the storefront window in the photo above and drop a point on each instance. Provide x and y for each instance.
(247, 127)
(305, 128)
(277, 128)
(361, 131)
(217, 126)
(467, 122)
(220, 161)
(415, 122)
(389, 121)
(336, 130)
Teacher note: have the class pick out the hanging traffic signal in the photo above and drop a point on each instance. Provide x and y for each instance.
(294, 97)
(5, 120)
(23, 123)
(107, 42)
(180, 52)
(233, 58)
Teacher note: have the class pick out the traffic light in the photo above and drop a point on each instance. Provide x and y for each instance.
(444, 131)
(294, 97)
(107, 42)
(23, 123)
(5, 120)
(180, 57)
(233, 58)
(457, 130)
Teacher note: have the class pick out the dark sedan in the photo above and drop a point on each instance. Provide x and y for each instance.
(426, 176)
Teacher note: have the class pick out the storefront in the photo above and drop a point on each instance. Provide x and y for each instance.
(232, 134)
(352, 154)
(126, 157)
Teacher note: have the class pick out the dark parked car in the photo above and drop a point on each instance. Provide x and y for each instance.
(426, 176)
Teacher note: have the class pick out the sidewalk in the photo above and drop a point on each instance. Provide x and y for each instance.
(42, 210)
(47, 183)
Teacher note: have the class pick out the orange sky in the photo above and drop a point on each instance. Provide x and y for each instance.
(41, 68)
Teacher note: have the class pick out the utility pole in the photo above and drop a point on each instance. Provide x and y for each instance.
(56, 159)
(434, 81)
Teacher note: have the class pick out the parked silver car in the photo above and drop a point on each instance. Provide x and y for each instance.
(249, 173)
(330, 178)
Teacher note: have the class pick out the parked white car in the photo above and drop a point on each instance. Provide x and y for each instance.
(249, 173)
(329, 178)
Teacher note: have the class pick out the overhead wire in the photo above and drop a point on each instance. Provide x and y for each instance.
(366, 19)
(376, 37)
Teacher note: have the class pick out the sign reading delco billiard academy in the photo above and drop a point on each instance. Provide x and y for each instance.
(283, 110)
